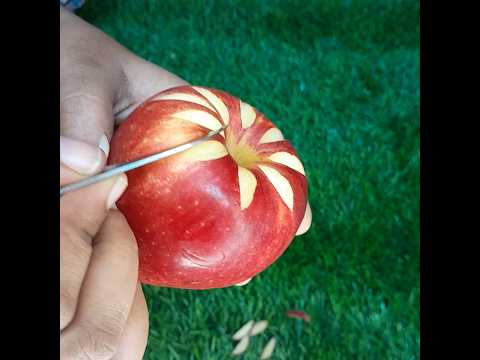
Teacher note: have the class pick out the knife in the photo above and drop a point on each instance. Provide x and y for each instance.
(131, 165)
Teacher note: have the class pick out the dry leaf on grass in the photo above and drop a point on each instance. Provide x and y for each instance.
(298, 314)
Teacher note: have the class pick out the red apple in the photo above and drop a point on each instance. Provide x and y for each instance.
(219, 213)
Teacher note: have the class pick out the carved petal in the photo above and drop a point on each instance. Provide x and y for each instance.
(185, 97)
(241, 346)
(259, 327)
(268, 349)
(248, 184)
(271, 135)
(247, 115)
(289, 160)
(243, 331)
(219, 104)
(201, 118)
(208, 150)
(244, 282)
(280, 183)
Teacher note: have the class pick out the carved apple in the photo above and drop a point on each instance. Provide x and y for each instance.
(219, 213)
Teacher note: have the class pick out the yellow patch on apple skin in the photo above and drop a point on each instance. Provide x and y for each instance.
(247, 115)
(247, 183)
(271, 135)
(289, 160)
(201, 118)
(280, 183)
(185, 97)
(217, 103)
(208, 150)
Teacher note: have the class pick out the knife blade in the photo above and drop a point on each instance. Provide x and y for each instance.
(117, 169)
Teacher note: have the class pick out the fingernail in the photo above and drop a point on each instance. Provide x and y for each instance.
(79, 156)
(104, 145)
(116, 191)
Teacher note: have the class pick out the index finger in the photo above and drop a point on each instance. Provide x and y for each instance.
(144, 80)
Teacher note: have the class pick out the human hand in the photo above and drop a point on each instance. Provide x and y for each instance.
(101, 83)
(103, 314)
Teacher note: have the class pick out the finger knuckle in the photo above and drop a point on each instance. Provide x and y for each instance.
(113, 322)
(91, 54)
(76, 106)
(80, 99)
(116, 219)
(95, 345)
(100, 339)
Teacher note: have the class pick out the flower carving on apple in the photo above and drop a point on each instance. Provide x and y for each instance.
(220, 212)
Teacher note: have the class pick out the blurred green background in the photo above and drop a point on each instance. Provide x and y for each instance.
(341, 80)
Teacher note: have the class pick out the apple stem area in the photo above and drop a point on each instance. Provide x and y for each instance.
(242, 153)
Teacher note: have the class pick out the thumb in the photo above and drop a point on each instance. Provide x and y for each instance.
(83, 211)
(81, 158)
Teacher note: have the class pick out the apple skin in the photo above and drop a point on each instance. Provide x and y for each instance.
(199, 224)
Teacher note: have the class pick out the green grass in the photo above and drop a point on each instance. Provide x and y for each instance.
(341, 80)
